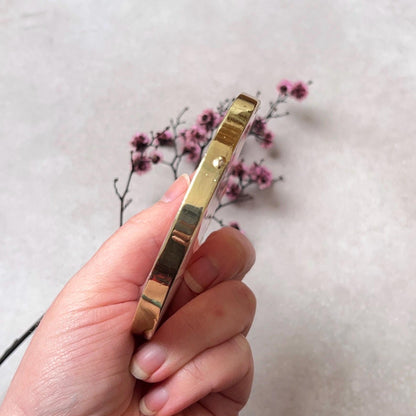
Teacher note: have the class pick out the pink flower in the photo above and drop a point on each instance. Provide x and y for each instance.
(140, 142)
(239, 169)
(267, 139)
(261, 175)
(284, 87)
(164, 138)
(258, 126)
(197, 134)
(235, 225)
(156, 156)
(208, 119)
(233, 190)
(192, 149)
(141, 163)
(299, 90)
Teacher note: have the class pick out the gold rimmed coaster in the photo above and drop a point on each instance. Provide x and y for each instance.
(201, 200)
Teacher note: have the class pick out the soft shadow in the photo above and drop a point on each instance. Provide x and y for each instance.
(310, 117)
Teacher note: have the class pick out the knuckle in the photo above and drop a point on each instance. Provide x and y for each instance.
(244, 296)
(242, 345)
(234, 299)
(195, 371)
(242, 350)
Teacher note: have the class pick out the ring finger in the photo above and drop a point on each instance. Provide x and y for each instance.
(208, 320)
(226, 369)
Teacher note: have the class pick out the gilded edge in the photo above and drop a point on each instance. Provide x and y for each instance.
(178, 245)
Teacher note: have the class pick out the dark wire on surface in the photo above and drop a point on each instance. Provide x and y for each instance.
(18, 341)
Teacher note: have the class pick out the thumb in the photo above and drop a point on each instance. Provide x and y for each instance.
(119, 268)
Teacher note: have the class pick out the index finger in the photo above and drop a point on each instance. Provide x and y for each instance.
(225, 255)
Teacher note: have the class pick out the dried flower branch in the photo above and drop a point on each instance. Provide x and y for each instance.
(189, 145)
(171, 147)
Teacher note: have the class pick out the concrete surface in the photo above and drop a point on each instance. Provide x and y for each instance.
(335, 278)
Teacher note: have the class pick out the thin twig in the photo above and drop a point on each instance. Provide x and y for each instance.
(218, 220)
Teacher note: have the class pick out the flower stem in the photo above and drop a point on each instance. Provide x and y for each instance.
(122, 196)
(272, 113)
(218, 220)
(175, 162)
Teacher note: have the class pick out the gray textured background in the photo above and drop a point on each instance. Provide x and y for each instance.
(335, 279)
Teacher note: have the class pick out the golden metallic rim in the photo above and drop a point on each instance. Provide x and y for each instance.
(202, 198)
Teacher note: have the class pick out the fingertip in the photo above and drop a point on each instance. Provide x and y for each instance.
(149, 358)
(230, 251)
(153, 401)
(178, 188)
(226, 255)
(192, 283)
(137, 372)
(246, 245)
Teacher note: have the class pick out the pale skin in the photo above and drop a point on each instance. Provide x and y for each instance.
(82, 358)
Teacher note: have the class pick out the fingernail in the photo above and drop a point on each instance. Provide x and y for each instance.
(153, 401)
(147, 360)
(177, 188)
(200, 274)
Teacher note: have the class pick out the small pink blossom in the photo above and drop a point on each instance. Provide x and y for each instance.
(261, 175)
(141, 163)
(299, 90)
(235, 225)
(239, 169)
(267, 139)
(196, 133)
(232, 190)
(140, 142)
(258, 126)
(209, 119)
(164, 138)
(284, 87)
(192, 149)
(156, 156)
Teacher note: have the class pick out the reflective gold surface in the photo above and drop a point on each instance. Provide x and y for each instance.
(201, 199)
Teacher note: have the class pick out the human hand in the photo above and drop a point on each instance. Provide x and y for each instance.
(197, 363)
